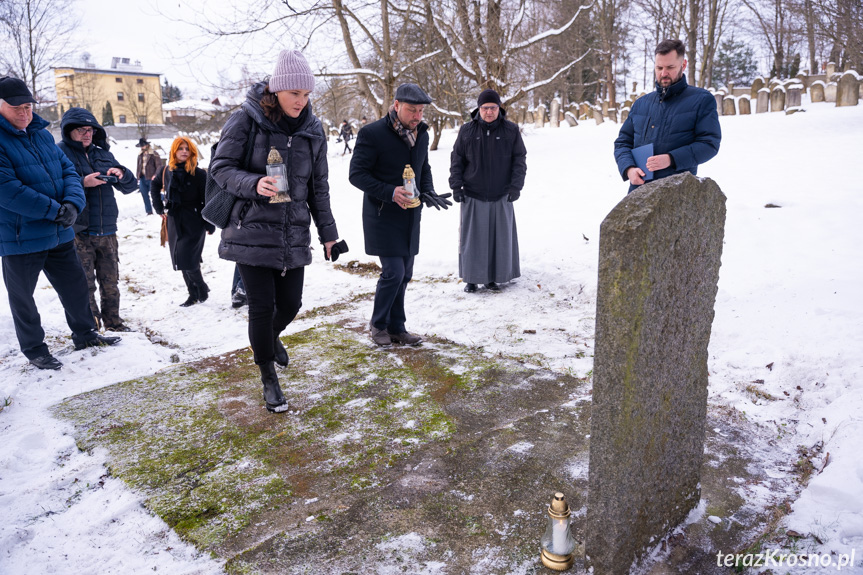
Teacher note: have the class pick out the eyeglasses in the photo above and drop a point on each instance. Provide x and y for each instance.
(489, 108)
(83, 131)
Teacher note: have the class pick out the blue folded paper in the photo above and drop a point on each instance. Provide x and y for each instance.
(640, 154)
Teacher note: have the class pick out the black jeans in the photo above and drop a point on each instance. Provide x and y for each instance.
(389, 310)
(64, 272)
(274, 301)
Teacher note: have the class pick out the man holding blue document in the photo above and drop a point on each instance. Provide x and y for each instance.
(671, 130)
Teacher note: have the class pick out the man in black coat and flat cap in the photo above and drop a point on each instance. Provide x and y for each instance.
(390, 226)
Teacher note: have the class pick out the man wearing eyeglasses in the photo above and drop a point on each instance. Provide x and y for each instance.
(40, 197)
(85, 142)
(487, 169)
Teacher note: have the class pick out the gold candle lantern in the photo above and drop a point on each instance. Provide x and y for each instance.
(557, 544)
(410, 185)
(276, 169)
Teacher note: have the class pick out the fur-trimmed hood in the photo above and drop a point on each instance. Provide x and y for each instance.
(75, 117)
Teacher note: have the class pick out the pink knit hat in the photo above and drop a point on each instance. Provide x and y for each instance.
(292, 73)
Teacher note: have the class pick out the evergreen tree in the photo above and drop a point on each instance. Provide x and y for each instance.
(107, 115)
(170, 93)
(735, 63)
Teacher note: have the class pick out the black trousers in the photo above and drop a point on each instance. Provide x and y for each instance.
(389, 310)
(64, 272)
(274, 301)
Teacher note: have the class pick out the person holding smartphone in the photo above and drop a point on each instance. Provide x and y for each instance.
(85, 142)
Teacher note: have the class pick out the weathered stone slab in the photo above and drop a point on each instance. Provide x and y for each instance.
(597, 115)
(539, 116)
(554, 115)
(848, 89)
(816, 91)
(728, 106)
(659, 258)
(777, 99)
(744, 105)
(762, 104)
(757, 84)
(794, 96)
(830, 91)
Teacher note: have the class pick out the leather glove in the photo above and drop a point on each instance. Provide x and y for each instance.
(458, 195)
(438, 201)
(66, 215)
(513, 196)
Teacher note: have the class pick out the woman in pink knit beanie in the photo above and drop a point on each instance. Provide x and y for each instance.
(270, 241)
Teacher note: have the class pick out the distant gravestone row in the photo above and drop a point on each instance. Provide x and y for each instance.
(769, 95)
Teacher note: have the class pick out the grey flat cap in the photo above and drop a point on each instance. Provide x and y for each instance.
(412, 94)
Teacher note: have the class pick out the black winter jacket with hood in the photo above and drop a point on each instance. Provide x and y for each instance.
(260, 233)
(488, 161)
(99, 216)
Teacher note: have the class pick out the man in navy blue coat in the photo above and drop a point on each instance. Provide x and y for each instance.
(390, 227)
(40, 198)
(678, 119)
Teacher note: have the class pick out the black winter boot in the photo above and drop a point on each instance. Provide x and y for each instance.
(281, 353)
(273, 396)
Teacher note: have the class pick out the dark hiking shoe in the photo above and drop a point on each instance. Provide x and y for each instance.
(470, 288)
(380, 337)
(274, 399)
(238, 298)
(492, 286)
(406, 338)
(281, 353)
(119, 327)
(98, 341)
(46, 361)
(190, 301)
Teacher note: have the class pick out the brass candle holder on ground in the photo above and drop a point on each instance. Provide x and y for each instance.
(276, 169)
(557, 545)
(410, 185)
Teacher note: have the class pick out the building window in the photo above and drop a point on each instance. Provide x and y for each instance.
(140, 80)
(118, 80)
(140, 97)
(122, 118)
(119, 96)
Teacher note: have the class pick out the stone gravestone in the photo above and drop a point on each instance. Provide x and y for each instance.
(830, 92)
(757, 84)
(571, 120)
(624, 114)
(659, 257)
(777, 99)
(554, 115)
(597, 115)
(744, 106)
(728, 106)
(539, 116)
(719, 96)
(816, 91)
(794, 96)
(762, 103)
(612, 114)
(848, 90)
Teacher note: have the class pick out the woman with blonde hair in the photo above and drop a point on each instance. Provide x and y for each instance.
(184, 184)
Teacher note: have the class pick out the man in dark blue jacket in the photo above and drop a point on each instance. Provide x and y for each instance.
(40, 197)
(678, 119)
(86, 144)
(391, 227)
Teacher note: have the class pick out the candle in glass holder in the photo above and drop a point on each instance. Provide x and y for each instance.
(276, 169)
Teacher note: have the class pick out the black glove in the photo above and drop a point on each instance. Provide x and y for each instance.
(513, 196)
(438, 201)
(66, 215)
(338, 249)
(458, 195)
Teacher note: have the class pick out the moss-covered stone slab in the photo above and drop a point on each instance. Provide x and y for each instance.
(436, 459)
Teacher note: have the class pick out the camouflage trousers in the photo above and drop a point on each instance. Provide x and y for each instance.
(100, 260)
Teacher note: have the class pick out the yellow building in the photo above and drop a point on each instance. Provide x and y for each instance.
(135, 96)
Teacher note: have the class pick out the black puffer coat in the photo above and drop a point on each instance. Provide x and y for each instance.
(260, 233)
(99, 216)
(377, 165)
(488, 160)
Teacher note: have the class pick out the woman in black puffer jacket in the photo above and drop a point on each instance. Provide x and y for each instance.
(184, 184)
(270, 242)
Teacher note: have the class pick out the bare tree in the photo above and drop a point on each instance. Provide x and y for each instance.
(36, 35)
(142, 102)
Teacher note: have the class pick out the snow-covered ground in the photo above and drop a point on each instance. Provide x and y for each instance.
(789, 298)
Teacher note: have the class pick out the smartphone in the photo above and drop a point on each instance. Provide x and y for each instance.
(108, 179)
